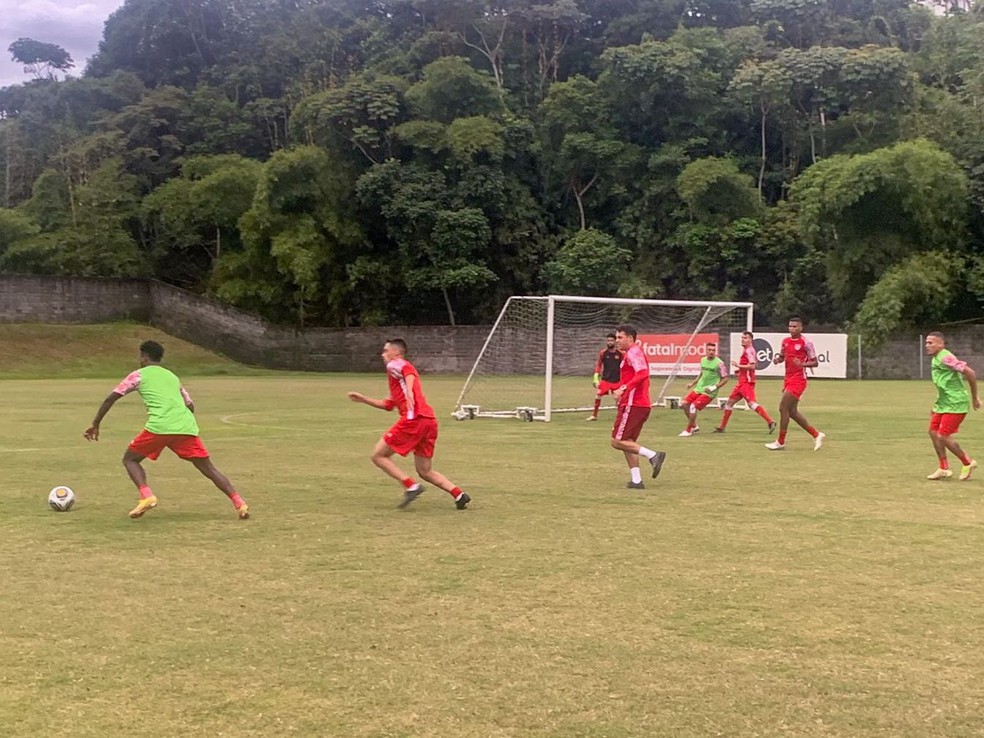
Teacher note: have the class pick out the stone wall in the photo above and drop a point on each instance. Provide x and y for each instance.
(251, 340)
(35, 299)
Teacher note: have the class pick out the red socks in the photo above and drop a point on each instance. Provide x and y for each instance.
(145, 492)
(765, 416)
(725, 418)
(408, 483)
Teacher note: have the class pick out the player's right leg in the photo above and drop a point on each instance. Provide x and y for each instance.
(949, 426)
(146, 445)
(787, 404)
(625, 434)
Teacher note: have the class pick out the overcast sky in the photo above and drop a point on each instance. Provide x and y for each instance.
(75, 25)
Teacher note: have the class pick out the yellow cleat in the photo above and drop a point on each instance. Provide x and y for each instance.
(145, 504)
(243, 511)
(940, 474)
(966, 471)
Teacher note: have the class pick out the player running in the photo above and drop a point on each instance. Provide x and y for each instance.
(799, 355)
(416, 430)
(745, 389)
(607, 373)
(634, 407)
(713, 376)
(956, 391)
(170, 424)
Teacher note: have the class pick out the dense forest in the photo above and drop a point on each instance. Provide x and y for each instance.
(356, 162)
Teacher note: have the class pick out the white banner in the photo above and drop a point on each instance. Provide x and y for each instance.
(831, 353)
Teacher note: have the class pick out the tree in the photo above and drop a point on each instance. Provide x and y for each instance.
(589, 263)
(871, 212)
(39, 58)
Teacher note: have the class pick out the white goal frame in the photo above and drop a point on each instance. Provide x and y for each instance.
(465, 411)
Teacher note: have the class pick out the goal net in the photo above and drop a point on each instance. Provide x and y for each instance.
(540, 355)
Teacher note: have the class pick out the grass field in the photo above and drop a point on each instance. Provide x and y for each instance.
(745, 592)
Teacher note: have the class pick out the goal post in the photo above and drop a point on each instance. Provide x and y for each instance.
(539, 355)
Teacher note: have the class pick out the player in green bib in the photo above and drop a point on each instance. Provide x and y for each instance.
(956, 393)
(713, 376)
(170, 424)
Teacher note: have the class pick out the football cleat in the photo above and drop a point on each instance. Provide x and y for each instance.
(145, 504)
(411, 494)
(776, 446)
(591, 418)
(635, 485)
(657, 462)
(940, 474)
(720, 430)
(966, 471)
(818, 441)
(462, 500)
(772, 427)
(243, 511)
(685, 434)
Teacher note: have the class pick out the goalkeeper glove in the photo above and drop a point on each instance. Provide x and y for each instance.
(596, 382)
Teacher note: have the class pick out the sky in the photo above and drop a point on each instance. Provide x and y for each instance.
(75, 25)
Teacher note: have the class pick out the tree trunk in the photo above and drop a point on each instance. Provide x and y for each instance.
(447, 303)
(762, 163)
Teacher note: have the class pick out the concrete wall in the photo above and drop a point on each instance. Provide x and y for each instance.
(251, 340)
(33, 299)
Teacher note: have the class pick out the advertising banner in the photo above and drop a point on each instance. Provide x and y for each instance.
(664, 350)
(831, 353)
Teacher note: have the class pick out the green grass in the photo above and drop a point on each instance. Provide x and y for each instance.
(745, 592)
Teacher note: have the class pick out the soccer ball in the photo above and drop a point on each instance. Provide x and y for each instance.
(61, 498)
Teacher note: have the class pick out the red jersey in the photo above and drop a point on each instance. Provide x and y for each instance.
(398, 372)
(747, 356)
(635, 378)
(797, 348)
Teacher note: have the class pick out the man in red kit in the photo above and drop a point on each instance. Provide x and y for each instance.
(633, 407)
(799, 355)
(607, 373)
(415, 431)
(746, 384)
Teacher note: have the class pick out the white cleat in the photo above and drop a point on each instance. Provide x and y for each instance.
(591, 418)
(684, 434)
(940, 474)
(966, 471)
(818, 441)
(776, 446)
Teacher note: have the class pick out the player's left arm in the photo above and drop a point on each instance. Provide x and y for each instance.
(970, 375)
(811, 357)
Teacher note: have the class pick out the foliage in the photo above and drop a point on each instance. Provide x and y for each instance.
(589, 263)
(915, 292)
(420, 160)
(40, 58)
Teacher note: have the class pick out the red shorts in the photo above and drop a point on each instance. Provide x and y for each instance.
(605, 387)
(945, 424)
(418, 436)
(629, 420)
(744, 390)
(151, 444)
(698, 399)
(796, 386)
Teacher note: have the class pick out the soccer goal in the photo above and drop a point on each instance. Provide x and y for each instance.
(539, 357)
